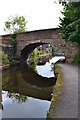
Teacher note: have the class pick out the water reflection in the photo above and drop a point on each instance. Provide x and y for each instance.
(32, 108)
(42, 66)
(25, 93)
(26, 82)
(45, 70)
(27, 89)
(17, 97)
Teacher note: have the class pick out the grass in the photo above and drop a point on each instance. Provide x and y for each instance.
(57, 90)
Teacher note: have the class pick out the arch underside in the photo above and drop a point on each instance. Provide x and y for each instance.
(27, 50)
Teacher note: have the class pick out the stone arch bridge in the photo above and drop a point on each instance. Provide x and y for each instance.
(27, 41)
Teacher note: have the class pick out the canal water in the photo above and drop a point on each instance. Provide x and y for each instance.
(26, 90)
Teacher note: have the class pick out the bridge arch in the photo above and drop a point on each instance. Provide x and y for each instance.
(27, 50)
(37, 37)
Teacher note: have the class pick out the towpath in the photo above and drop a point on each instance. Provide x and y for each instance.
(67, 106)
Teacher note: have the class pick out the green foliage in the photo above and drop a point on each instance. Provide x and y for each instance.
(49, 50)
(14, 43)
(3, 58)
(57, 91)
(17, 97)
(70, 23)
(32, 61)
(39, 52)
(33, 65)
(76, 59)
(15, 24)
(34, 53)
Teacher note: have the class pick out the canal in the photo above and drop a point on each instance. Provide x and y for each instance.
(26, 89)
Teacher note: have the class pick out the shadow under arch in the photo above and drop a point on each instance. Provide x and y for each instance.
(26, 51)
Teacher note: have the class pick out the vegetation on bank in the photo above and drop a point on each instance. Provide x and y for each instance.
(3, 58)
(57, 90)
(76, 59)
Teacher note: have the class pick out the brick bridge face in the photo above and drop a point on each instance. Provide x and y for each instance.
(35, 38)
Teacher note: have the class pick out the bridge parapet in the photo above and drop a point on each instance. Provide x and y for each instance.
(38, 34)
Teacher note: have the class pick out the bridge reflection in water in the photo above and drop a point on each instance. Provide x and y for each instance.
(23, 85)
(27, 82)
(28, 85)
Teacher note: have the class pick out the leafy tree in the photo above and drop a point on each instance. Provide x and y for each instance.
(15, 24)
(70, 23)
(63, 2)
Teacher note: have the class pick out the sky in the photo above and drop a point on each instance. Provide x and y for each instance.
(40, 14)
